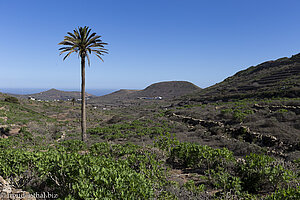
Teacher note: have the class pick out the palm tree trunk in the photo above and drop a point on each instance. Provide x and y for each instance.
(83, 111)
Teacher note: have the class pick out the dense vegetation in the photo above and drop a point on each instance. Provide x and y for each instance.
(114, 171)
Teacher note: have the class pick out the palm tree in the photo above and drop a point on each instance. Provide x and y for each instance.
(83, 43)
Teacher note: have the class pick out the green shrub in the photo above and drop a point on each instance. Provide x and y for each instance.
(286, 194)
(12, 100)
(73, 145)
(221, 179)
(105, 172)
(238, 113)
(166, 195)
(261, 171)
(166, 141)
(297, 163)
(6, 143)
(115, 150)
(25, 134)
(190, 186)
(197, 156)
(14, 165)
(77, 176)
(138, 159)
(132, 129)
(282, 110)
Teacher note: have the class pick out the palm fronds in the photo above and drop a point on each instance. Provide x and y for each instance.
(83, 43)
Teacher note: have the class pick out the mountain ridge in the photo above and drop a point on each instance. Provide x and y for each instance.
(54, 94)
(164, 90)
(275, 78)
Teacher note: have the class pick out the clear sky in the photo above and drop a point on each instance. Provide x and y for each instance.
(201, 41)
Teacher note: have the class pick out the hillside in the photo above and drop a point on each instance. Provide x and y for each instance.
(117, 95)
(2, 96)
(279, 78)
(54, 94)
(193, 149)
(165, 149)
(166, 90)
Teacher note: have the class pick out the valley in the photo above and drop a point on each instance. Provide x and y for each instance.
(238, 139)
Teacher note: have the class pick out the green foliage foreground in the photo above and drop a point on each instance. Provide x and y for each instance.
(114, 171)
(243, 178)
(101, 172)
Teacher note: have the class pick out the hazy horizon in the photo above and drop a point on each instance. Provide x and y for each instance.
(26, 91)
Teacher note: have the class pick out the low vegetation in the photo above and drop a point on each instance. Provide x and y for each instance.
(146, 152)
(11, 100)
(135, 128)
(127, 171)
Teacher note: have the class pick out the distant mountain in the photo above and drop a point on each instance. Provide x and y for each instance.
(168, 89)
(279, 78)
(165, 90)
(117, 95)
(54, 94)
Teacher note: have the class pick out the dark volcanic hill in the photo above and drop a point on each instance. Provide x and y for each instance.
(279, 78)
(117, 95)
(54, 94)
(166, 90)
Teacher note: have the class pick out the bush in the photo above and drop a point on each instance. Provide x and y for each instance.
(224, 180)
(166, 141)
(77, 176)
(197, 156)
(12, 100)
(132, 129)
(261, 172)
(73, 145)
(238, 113)
(116, 150)
(190, 186)
(15, 164)
(286, 194)
(105, 172)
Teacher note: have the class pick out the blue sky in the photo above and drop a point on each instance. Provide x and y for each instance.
(201, 41)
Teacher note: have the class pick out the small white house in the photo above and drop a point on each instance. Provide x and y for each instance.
(31, 98)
